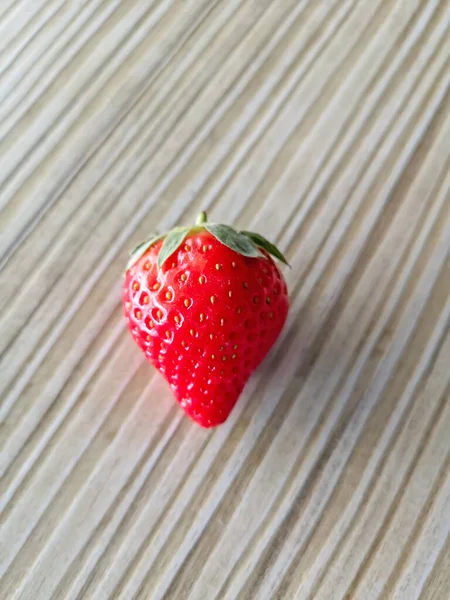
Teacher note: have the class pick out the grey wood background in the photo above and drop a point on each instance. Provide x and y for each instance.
(323, 124)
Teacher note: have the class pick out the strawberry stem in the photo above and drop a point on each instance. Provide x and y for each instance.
(201, 219)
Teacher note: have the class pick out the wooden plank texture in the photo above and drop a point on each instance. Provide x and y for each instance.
(323, 124)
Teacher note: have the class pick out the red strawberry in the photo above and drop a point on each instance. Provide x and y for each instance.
(205, 304)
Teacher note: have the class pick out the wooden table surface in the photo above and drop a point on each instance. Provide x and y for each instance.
(323, 124)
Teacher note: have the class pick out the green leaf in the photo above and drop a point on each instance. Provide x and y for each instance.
(268, 246)
(141, 249)
(233, 239)
(172, 242)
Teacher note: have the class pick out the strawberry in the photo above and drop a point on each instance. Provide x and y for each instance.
(205, 304)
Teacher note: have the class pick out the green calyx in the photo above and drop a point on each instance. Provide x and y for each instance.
(245, 243)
